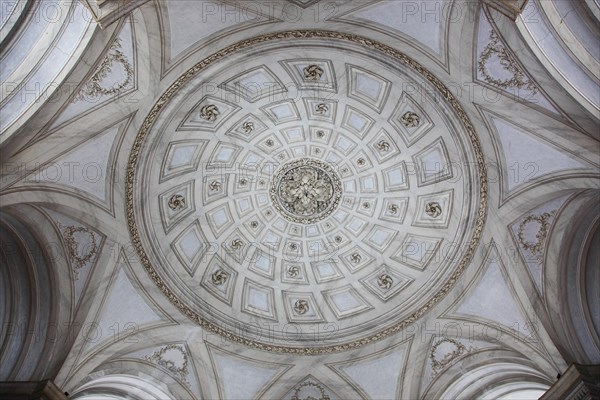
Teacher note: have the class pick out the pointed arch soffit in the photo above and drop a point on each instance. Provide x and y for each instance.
(110, 81)
(422, 25)
(379, 375)
(240, 377)
(527, 158)
(491, 302)
(180, 29)
(125, 310)
(497, 67)
(92, 181)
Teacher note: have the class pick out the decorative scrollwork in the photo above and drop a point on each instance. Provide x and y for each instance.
(433, 209)
(296, 395)
(385, 281)
(410, 119)
(248, 126)
(393, 209)
(78, 260)
(321, 108)
(320, 134)
(518, 77)
(215, 186)
(176, 202)
(437, 364)
(293, 271)
(219, 277)
(383, 146)
(270, 142)
(158, 358)
(306, 190)
(209, 112)
(93, 87)
(301, 307)
(537, 247)
(361, 162)
(356, 258)
(313, 73)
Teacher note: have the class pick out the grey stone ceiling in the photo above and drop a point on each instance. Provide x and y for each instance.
(154, 175)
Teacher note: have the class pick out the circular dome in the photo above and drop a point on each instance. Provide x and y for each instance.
(304, 194)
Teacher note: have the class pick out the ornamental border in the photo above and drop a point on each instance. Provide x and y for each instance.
(304, 34)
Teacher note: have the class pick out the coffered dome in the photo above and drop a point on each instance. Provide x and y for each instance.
(326, 186)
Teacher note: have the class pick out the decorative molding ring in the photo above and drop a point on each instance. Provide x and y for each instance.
(163, 100)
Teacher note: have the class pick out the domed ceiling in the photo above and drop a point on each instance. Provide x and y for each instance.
(285, 181)
(299, 199)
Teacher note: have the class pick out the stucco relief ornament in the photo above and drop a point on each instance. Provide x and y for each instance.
(496, 49)
(301, 307)
(393, 209)
(433, 209)
(176, 202)
(236, 244)
(410, 119)
(94, 87)
(304, 385)
(209, 112)
(306, 190)
(383, 146)
(321, 108)
(248, 127)
(356, 258)
(293, 271)
(79, 259)
(385, 281)
(459, 349)
(313, 73)
(219, 277)
(537, 247)
(215, 186)
(158, 357)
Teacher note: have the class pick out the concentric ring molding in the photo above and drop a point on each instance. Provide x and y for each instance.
(163, 101)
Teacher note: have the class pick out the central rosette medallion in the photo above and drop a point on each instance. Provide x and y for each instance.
(305, 190)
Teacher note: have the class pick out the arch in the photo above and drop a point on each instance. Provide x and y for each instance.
(487, 372)
(37, 305)
(572, 278)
